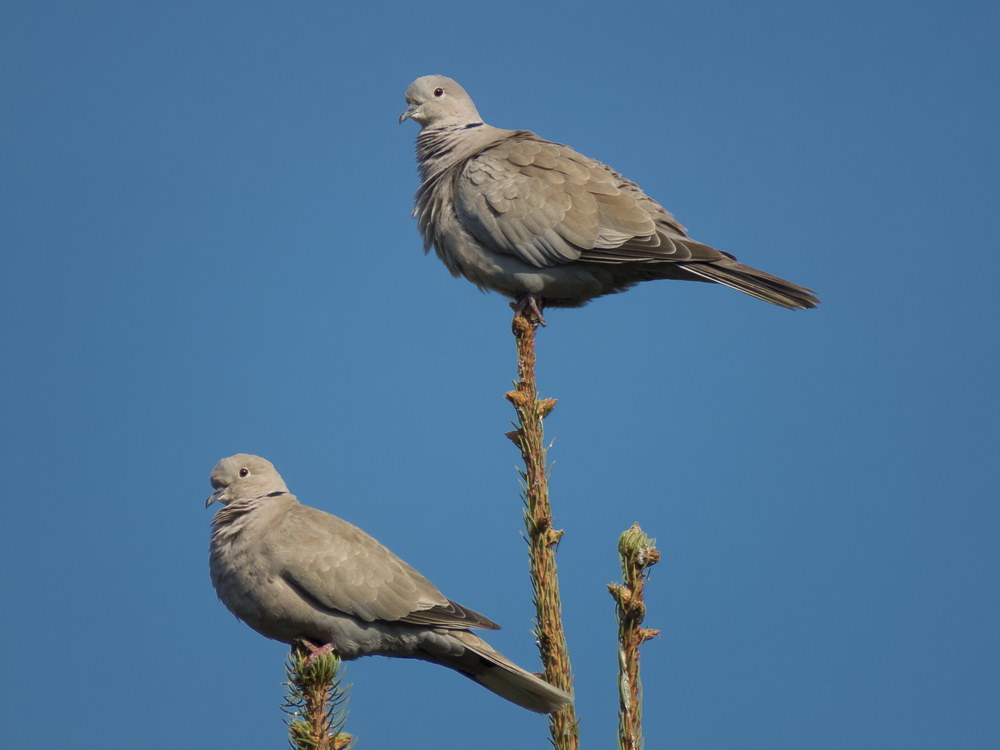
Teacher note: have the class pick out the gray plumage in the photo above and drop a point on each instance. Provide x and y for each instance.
(524, 216)
(290, 571)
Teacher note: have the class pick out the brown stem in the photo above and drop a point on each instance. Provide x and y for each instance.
(637, 555)
(542, 537)
(315, 699)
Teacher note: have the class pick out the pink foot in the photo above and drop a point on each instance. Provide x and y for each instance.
(529, 307)
(315, 652)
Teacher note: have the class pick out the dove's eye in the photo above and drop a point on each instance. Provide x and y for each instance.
(438, 92)
(244, 471)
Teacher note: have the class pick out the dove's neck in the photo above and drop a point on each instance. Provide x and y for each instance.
(442, 146)
(246, 512)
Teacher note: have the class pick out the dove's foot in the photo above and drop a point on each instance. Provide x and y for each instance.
(315, 652)
(529, 306)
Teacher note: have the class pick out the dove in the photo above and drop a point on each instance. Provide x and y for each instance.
(292, 572)
(544, 225)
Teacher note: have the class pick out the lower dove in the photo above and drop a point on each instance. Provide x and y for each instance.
(545, 225)
(293, 572)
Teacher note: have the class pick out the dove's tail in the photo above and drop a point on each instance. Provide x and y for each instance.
(754, 282)
(499, 675)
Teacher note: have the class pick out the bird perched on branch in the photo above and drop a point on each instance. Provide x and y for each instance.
(292, 572)
(545, 225)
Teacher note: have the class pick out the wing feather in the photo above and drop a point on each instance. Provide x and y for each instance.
(336, 566)
(545, 204)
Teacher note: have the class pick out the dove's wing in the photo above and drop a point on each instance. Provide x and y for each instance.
(334, 565)
(546, 204)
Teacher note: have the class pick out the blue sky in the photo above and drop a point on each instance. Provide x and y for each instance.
(207, 249)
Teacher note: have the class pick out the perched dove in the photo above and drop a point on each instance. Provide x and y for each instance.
(294, 572)
(542, 224)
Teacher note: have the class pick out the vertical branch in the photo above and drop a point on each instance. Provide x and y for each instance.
(637, 555)
(542, 537)
(316, 701)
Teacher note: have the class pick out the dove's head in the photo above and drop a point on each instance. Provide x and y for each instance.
(438, 101)
(244, 475)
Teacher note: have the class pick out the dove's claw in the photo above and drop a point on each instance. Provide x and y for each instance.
(529, 307)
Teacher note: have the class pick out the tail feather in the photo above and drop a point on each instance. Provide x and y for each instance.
(499, 675)
(754, 282)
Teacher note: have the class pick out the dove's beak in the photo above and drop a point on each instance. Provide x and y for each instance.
(410, 111)
(215, 496)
